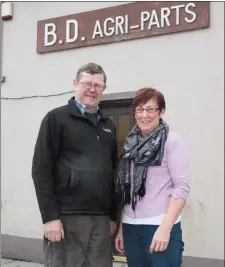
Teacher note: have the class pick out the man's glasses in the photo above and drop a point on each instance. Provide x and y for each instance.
(149, 110)
(89, 85)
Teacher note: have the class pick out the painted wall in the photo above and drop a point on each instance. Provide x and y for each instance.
(186, 67)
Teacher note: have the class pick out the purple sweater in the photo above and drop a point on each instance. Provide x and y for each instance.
(169, 179)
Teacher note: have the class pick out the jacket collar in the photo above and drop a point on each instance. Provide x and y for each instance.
(74, 110)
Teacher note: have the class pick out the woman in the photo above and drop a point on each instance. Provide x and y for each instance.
(153, 180)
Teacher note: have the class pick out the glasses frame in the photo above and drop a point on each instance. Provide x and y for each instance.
(93, 85)
(153, 110)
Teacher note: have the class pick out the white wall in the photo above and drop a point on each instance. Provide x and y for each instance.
(187, 67)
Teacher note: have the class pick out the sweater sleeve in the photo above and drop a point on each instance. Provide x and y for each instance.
(178, 164)
(45, 153)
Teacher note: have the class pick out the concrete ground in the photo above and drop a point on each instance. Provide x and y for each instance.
(13, 263)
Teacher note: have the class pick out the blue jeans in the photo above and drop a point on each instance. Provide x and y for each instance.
(137, 241)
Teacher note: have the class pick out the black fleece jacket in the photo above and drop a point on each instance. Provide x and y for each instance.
(73, 164)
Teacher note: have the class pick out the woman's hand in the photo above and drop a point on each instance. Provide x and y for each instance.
(160, 239)
(119, 242)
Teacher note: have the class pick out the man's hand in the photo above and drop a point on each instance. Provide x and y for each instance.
(112, 227)
(54, 231)
(160, 239)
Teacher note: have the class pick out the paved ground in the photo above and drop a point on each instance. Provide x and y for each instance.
(12, 263)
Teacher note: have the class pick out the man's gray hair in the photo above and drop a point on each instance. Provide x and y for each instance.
(91, 68)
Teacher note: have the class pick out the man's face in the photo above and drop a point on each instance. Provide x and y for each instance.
(89, 89)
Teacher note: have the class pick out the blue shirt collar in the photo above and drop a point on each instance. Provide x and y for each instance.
(81, 106)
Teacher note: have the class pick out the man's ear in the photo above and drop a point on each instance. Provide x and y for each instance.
(75, 82)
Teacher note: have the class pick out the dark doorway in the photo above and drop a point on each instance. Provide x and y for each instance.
(121, 113)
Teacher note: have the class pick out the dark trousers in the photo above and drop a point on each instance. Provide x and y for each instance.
(137, 241)
(87, 243)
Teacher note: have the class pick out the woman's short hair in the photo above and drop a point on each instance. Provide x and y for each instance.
(143, 95)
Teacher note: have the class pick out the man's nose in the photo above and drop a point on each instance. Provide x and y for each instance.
(92, 89)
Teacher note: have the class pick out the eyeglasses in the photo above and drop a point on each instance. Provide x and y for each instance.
(148, 110)
(89, 85)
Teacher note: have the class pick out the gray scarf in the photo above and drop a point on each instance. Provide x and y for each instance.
(145, 152)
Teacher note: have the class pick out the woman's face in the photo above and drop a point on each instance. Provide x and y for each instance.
(147, 116)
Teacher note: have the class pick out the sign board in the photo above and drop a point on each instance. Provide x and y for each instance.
(120, 23)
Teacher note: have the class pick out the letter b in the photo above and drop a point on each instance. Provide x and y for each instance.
(50, 33)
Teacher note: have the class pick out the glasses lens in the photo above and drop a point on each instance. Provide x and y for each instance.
(87, 85)
(139, 110)
(99, 87)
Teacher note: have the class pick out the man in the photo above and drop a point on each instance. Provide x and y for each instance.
(73, 163)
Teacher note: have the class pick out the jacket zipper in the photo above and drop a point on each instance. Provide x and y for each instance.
(98, 143)
(99, 149)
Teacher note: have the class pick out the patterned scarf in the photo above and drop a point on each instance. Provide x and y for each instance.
(145, 152)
